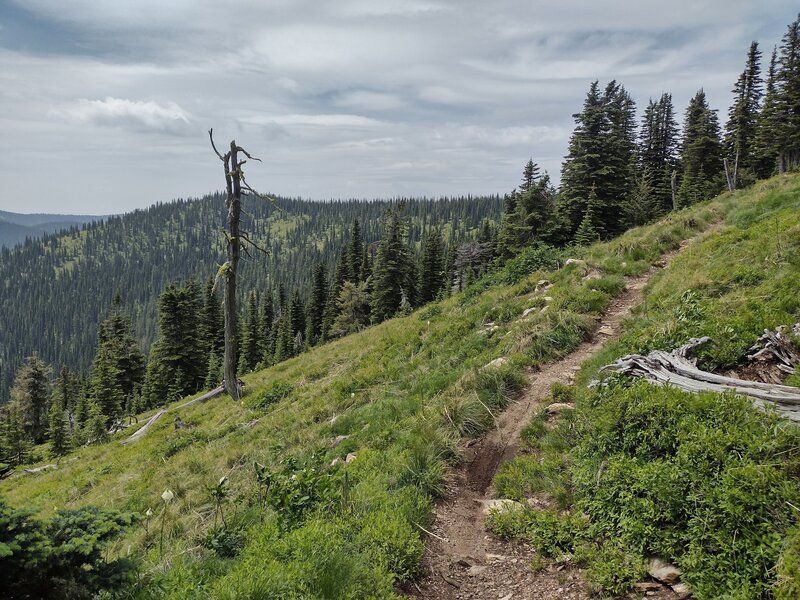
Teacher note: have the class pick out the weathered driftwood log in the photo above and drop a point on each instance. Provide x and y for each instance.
(39, 469)
(677, 369)
(139, 434)
(207, 396)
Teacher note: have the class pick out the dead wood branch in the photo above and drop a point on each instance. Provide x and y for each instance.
(677, 369)
(39, 469)
(140, 433)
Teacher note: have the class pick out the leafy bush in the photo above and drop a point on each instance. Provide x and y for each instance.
(296, 489)
(63, 556)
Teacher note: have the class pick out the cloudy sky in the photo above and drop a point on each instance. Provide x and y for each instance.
(105, 105)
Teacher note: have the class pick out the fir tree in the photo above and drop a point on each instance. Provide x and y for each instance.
(658, 153)
(96, 429)
(701, 153)
(297, 315)
(319, 299)
(740, 130)
(58, 432)
(212, 324)
(251, 346)
(432, 268)
(30, 397)
(767, 124)
(787, 100)
(16, 441)
(119, 365)
(355, 251)
(392, 270)
(267, 320)
(601, 155)
(529, 215)
(590, 229)
(353, 311)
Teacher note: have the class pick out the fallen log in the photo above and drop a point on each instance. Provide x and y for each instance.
(677, 369)
(39, 469)
(207, 396)
(140, 433)
(777, 348)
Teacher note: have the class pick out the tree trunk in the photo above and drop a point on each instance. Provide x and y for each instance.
(234, 213)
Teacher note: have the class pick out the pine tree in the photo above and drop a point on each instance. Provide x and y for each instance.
(391, 274)
(767, 124)
(787, 100)
(213, 372)
(212, 324)
(701, 153)
(658, 154)
(530, 175)
(30, 395)
(297, 315)
(353, 310)
(590, 229)
(319, 299)
(355, 250)
(529, 214)
(96, 429)
(251, 339)
(58, 432)
(740, 130)
(431, 277)
(602, 154)
(16, 441)
(267, 331)
(119, 366)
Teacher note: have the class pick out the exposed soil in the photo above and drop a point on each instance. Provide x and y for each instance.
(462, 560)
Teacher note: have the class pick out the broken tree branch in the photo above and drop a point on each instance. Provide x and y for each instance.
(140, 433)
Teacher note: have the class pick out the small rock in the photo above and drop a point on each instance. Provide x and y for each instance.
(591, 275)
(606, 330)
(332, 420)
(334, 462)
(338, 440)
(557, 407)
(507, 596)
(663, 571)
(547, 299)
(575, 261)
(349, 458)
(497, 362)
(500, 505)
(542, 285)
(528, 311)
(495, 557)
(682, 590)
(476, 570)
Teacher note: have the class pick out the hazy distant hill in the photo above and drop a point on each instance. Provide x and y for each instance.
(15, 227)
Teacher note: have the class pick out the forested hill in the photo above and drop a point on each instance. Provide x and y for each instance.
(15, 228)
(56, 290)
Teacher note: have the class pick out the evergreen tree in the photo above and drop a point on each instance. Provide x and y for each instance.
(65, 390)
(176, 367)
(431, 277)
(701, 153)
(591, 228)
(602, 154)
(319, 299)
(96, 429)
(251, 346)
(284, 342)
(214, 373)
(212, 324)
(767, 124)
(529, 214)
(392, 273)
(30, 398)
(16, 441)
(353, 310)
(267, 320)
(297, 315)
(355, 251)
(59, 433)
(119, 365)
(787, 100)
(740, 130)
(658, 154)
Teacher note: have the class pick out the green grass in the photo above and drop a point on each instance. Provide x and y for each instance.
(404, 392)
(706, 481)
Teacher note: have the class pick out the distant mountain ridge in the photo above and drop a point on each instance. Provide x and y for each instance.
(16, 227)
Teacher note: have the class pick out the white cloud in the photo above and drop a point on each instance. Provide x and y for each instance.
(334, 120)
(119, 112)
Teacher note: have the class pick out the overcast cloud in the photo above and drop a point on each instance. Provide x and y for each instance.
(105, 106)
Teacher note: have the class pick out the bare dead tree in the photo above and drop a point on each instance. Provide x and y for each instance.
(236, 185)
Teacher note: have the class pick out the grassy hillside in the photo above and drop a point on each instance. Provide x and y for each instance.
(16, 227)
(706, 482)
(297, 524)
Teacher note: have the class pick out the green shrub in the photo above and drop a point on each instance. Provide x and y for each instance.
(271, 394)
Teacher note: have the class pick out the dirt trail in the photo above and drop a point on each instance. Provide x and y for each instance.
(462, 559)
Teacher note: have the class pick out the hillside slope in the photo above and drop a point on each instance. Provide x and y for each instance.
(57, 290)
(16, 227)
(333, 459)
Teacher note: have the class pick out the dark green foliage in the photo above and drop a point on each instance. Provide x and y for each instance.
(740, 130)
(787, 100)
(431, 272)
(352, 308)
(58, 431)
(591, 228)
(392, 274)
(63, 557)
(767, 124)
(177, 366)
(211, 322)
(658, 157)
(252, 347)
(118, 368)
(317, 303)
(601, 156)
(270, 395)
(701, 153)
(30, 398)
